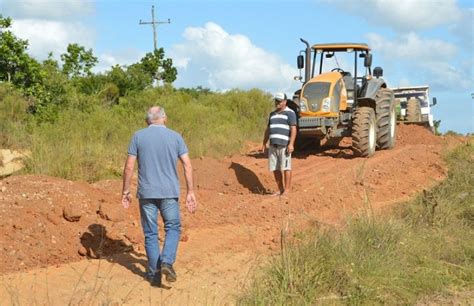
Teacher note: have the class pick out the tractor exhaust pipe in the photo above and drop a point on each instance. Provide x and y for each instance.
(307, 65)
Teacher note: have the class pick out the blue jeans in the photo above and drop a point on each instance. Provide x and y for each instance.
(169, 210)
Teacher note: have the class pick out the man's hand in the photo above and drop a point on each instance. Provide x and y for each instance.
(127, 178)
(191, 203)
(264, 147)
(126, 199)
(290, 148)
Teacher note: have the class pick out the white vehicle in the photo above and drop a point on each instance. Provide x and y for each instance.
(413, 105)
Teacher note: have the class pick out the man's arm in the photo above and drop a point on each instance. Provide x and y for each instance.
(127, 179)
(191, 202)
(265, 139)
(291, 145)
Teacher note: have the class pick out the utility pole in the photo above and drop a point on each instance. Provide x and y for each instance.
(154, 24)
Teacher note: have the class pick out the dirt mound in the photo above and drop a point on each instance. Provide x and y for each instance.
(416, 134)
(46, 221)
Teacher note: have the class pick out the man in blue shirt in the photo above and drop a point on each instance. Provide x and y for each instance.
(281, 131)
(157, 150)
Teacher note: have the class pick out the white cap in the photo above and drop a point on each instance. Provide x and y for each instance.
(279, 96)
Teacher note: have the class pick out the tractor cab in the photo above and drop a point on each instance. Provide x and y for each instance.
(335, 74)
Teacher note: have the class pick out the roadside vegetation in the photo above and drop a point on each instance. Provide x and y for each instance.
(90, 143)
(422, 253)
(77, 123)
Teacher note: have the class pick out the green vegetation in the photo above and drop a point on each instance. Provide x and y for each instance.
(424, 252)
(87, 139)
(51, 85)
(77, 124)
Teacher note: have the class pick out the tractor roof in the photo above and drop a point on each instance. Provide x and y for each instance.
(341, 47)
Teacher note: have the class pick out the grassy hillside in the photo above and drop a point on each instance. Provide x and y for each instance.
(85, 139)
(422, 253)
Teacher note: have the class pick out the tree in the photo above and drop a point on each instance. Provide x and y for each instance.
(78, 62)
(159, 68)
(16, 66)
(153, 67)
(129, 79)
(55, 83)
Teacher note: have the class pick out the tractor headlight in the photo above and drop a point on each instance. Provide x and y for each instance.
(326, 105)
(303, 107)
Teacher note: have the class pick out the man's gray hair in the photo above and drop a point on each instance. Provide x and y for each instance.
(155, 113)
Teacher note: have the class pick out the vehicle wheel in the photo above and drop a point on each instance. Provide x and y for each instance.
(386, 119)
(364, 132)
(413, 110)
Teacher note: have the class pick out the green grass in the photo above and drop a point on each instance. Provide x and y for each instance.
(84, 139)
(423, 251)
(14, 120)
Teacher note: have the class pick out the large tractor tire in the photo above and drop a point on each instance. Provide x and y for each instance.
(386, 119)
(413, 110)
(364, 131)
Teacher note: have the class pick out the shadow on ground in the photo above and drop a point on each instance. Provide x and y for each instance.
(248, 179)
(99, 245)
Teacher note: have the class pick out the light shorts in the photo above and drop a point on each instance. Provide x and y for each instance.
(278, 159)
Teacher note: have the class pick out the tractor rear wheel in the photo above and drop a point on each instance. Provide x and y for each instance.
(386, 119)
(364, 131)
(413, 110)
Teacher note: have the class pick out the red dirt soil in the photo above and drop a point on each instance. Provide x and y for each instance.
(47, 221)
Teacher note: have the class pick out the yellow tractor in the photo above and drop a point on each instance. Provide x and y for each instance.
(334, 102)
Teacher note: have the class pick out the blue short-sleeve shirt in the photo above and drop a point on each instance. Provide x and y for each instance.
(157, 149)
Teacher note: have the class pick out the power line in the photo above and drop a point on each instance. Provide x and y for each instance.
(154, 24)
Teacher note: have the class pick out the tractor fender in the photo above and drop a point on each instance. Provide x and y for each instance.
(373, 85)
(367, 97)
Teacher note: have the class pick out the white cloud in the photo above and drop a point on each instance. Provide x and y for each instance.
(448, 77)
(464, 29)
(404, 82)
(212, 58)
(122, 58)
(412, 47)
(51, 36)
(403, 15)
(46, 9)
(433, 60)
(50, 25)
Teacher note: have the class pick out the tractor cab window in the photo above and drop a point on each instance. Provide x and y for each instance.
(342, 60)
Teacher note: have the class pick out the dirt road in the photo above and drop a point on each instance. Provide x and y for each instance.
(50, 227)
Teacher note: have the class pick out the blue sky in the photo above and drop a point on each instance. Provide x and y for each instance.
(253, 44)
